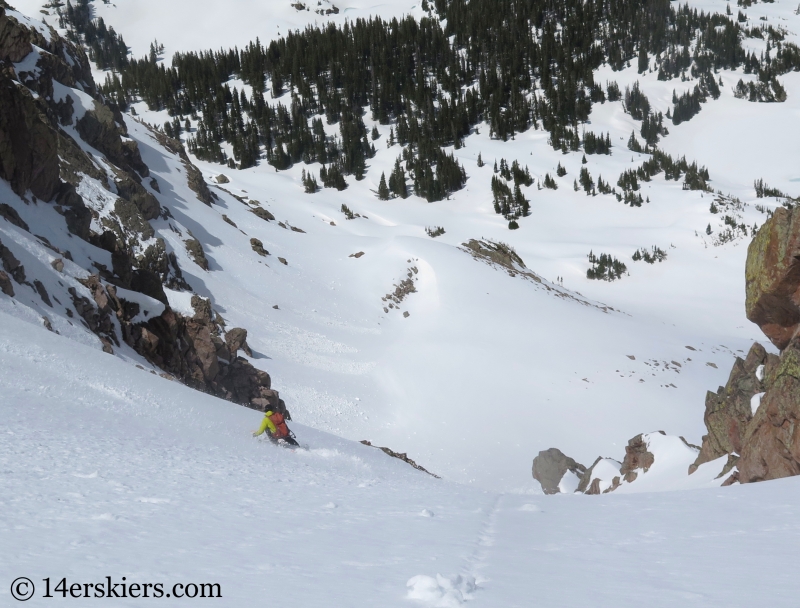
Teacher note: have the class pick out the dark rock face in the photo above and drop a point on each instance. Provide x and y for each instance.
(148, 283)
(28, 143)
(773, 277)
(728, 411)
(497, 253)
(192, 350)
(550, 466)
(10, 214)
(772, 443)
(39, 157)
(12, 265)
(133, 191)
(100, 129)
(15, 40)
(40, 289)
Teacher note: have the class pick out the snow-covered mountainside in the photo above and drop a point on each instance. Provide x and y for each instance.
(467, 268)
(488, 368)
(108, 471)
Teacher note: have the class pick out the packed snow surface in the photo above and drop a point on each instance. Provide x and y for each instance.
(107, 470)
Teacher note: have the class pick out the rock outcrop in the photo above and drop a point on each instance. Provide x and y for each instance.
(772, 443)
(550, 466)
(195, 350)
(754, 419)
(729, 410)
(400, 456)
(637, 457)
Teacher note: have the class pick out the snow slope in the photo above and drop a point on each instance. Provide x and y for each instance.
(488, 369)
(107, 470)
(183, 25)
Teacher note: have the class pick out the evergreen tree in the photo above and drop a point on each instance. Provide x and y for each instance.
(383, 189)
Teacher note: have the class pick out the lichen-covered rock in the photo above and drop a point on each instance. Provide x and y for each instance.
(728, 411)
(773, 277)
(550, 466)
(772, 443)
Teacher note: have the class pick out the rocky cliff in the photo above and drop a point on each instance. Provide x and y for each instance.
(754, 418)
(76, 177)
(753, 422)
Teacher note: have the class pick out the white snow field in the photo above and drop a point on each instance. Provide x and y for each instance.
(107, 470)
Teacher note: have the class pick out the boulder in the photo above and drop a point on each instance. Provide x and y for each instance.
(258, 247)
(773, 277)
(236, 339)
(263, 214)
(550, 466)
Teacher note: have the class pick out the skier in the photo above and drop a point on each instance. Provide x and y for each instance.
(274, 424)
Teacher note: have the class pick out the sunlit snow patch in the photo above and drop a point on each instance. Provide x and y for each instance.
(755, 402)
(441, 592)
(569, 483)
